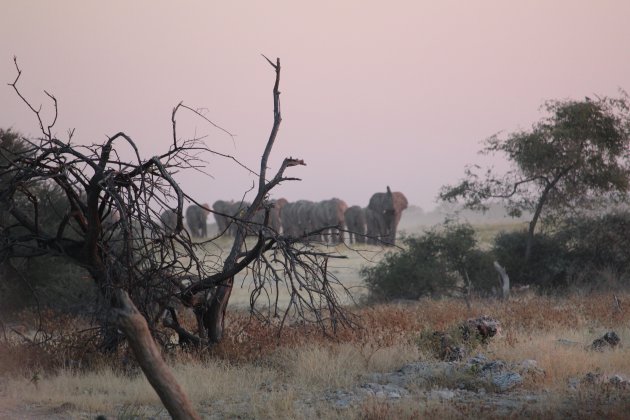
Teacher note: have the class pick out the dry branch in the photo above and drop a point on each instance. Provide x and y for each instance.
(156, 266)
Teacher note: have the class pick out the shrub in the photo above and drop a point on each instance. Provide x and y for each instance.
(548, 264)
(441, 260)
(598, 245)
(46, 281)
(584, 251)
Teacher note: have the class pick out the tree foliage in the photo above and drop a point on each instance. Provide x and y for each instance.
(573, 158)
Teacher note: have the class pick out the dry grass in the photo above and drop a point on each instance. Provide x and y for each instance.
(257, 375)
(345, 269)
(254, 373)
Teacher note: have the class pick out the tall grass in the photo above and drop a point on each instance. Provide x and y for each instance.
(254, 374)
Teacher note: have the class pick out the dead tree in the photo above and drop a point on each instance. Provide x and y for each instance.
(135, 327)
(110, 225)
(504, 280)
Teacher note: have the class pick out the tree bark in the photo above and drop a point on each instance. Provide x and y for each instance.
(539, 206)
(135, 327)
(214, 317)
(534, 221)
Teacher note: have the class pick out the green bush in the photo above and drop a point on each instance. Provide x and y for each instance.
(583, 252)
(589, 252)
(46, 281)
(49, 282)
(435, 263)
(549, 263)
(598, 246)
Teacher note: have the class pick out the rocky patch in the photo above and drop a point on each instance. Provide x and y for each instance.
(610, 340)
(477, 375)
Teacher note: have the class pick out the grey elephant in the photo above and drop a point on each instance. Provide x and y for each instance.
(226, 214)
(288, 219)
(275, 214)
(375, 225)
(274, 221)
(329, 216)
(238, 211)
(296, 218)
(257, 221)
(356, 224)
(385, 212)
(221, 209)
(169, 220)
(196, 218)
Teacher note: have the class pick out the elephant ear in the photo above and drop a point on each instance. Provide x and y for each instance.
(401, 201)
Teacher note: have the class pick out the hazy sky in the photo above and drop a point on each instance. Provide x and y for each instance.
(374, 93)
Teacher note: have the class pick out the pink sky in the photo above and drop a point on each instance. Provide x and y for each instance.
(374, 93)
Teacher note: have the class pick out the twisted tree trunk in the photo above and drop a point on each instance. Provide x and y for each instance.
(134, 326)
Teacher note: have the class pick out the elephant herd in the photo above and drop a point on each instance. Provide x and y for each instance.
(196, 218)
(324, 221)
(321, 221)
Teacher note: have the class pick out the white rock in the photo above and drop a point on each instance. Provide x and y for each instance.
(442, 394)
(506, 380)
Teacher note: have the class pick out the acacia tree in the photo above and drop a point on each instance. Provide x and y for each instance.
(109, 225)
(573, 158)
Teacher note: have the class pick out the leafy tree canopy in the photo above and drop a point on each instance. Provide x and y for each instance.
(574, 157)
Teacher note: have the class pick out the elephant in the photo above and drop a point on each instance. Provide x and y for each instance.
(356, 224)
(303, 216)
(196, 217)
(386, 209)
(227, 211)
(329, 215)
(296, 218)
(374, 224)
(238, 211)
(288, 219)
(275, 219)
(169, 220)
(257, 221)
(275, 214)
(221, 209)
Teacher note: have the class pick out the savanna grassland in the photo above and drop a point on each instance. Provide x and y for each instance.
(389, 367)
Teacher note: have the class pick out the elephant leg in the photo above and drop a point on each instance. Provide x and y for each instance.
(340, 234)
